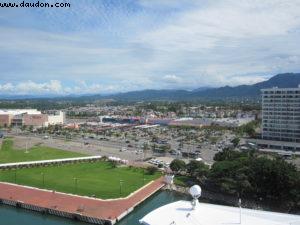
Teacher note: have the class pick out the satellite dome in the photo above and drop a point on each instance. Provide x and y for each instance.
(195, 191)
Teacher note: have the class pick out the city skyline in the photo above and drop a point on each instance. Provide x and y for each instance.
(104, 47)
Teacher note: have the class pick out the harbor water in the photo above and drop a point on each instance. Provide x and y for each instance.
(14, 216)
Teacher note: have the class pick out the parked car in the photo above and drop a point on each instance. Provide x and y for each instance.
(123, 149)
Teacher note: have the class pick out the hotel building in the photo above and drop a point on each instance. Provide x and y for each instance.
(281, 118)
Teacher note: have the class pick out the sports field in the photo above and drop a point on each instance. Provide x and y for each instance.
(100, 179)
(8, 154)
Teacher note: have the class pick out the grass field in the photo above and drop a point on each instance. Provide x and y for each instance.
(8, 154)
(99, 179)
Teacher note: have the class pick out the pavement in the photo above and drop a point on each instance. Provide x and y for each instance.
(93, 148)
(91, 207)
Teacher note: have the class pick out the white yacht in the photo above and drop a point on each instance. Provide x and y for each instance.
(195, 213)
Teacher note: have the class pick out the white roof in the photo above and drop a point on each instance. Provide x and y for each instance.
(181, 213)
(18, 111)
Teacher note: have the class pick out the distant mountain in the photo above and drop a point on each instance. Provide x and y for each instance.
(287, 80)
(238, 92)
(204, 93)
(145, 95)
(201, 89)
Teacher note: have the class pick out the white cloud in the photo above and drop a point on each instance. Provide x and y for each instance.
(172, 79)
(159, 4)
(159, 44)
(207, 27)
(30, 87)
(55, 87)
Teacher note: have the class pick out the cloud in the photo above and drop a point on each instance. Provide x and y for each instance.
(172, 79)
(30, 87)
(205, 27)
(55, 87)
(129, 45)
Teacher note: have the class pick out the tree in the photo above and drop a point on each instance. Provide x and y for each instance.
(197, 169)
(165, 148)
(113, 164)
(30, 128)
(235, 141)
(278, 174)
(177, 165)
(254, 175)
(227, 154)
(248, 128)
(151, 170)
(145, 146)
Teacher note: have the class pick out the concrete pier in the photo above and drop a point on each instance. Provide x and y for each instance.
(91, 210)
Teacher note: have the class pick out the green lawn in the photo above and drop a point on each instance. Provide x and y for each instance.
(8, 154)
(100, 179)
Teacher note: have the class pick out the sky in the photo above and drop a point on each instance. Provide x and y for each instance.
(110, 46)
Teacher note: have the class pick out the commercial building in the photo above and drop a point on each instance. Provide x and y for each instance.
(5, 120)
(30, 117)
(281, 118)
(56, 117)
(35, 120)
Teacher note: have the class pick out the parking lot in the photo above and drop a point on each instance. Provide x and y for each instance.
(136, 143)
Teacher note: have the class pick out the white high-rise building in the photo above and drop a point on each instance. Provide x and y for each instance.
(281, 114)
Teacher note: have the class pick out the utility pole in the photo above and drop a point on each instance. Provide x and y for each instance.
(240, 206)
(15, 176)
(75, 183)
(43, 176)
(26, 148)
(121, 183)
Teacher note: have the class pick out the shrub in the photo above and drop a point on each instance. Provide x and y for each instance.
(151, 170)
(177, 165)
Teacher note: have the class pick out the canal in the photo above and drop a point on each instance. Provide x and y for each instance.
(14, 216)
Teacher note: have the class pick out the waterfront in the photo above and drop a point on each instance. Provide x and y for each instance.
(15, 216)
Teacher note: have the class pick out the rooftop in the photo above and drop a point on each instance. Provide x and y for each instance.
(181, 213)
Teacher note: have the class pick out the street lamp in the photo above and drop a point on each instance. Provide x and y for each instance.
(15, 176)
(75, 182)
(43, 176)
(121, 183)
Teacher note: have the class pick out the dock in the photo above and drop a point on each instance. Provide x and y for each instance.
(87, 209)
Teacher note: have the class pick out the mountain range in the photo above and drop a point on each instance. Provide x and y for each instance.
(286, 80)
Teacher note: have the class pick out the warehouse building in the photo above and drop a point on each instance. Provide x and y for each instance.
(30, 117)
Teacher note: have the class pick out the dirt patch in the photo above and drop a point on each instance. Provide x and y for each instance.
(21, 142)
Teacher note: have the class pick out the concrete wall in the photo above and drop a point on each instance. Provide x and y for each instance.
(35, 120)
(5, 120)
(56, 119)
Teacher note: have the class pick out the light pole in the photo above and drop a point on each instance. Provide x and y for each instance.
(43, 176)
(15, 176)
(144, 176)
(26, 151)
(121, 183)
(75, 183)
